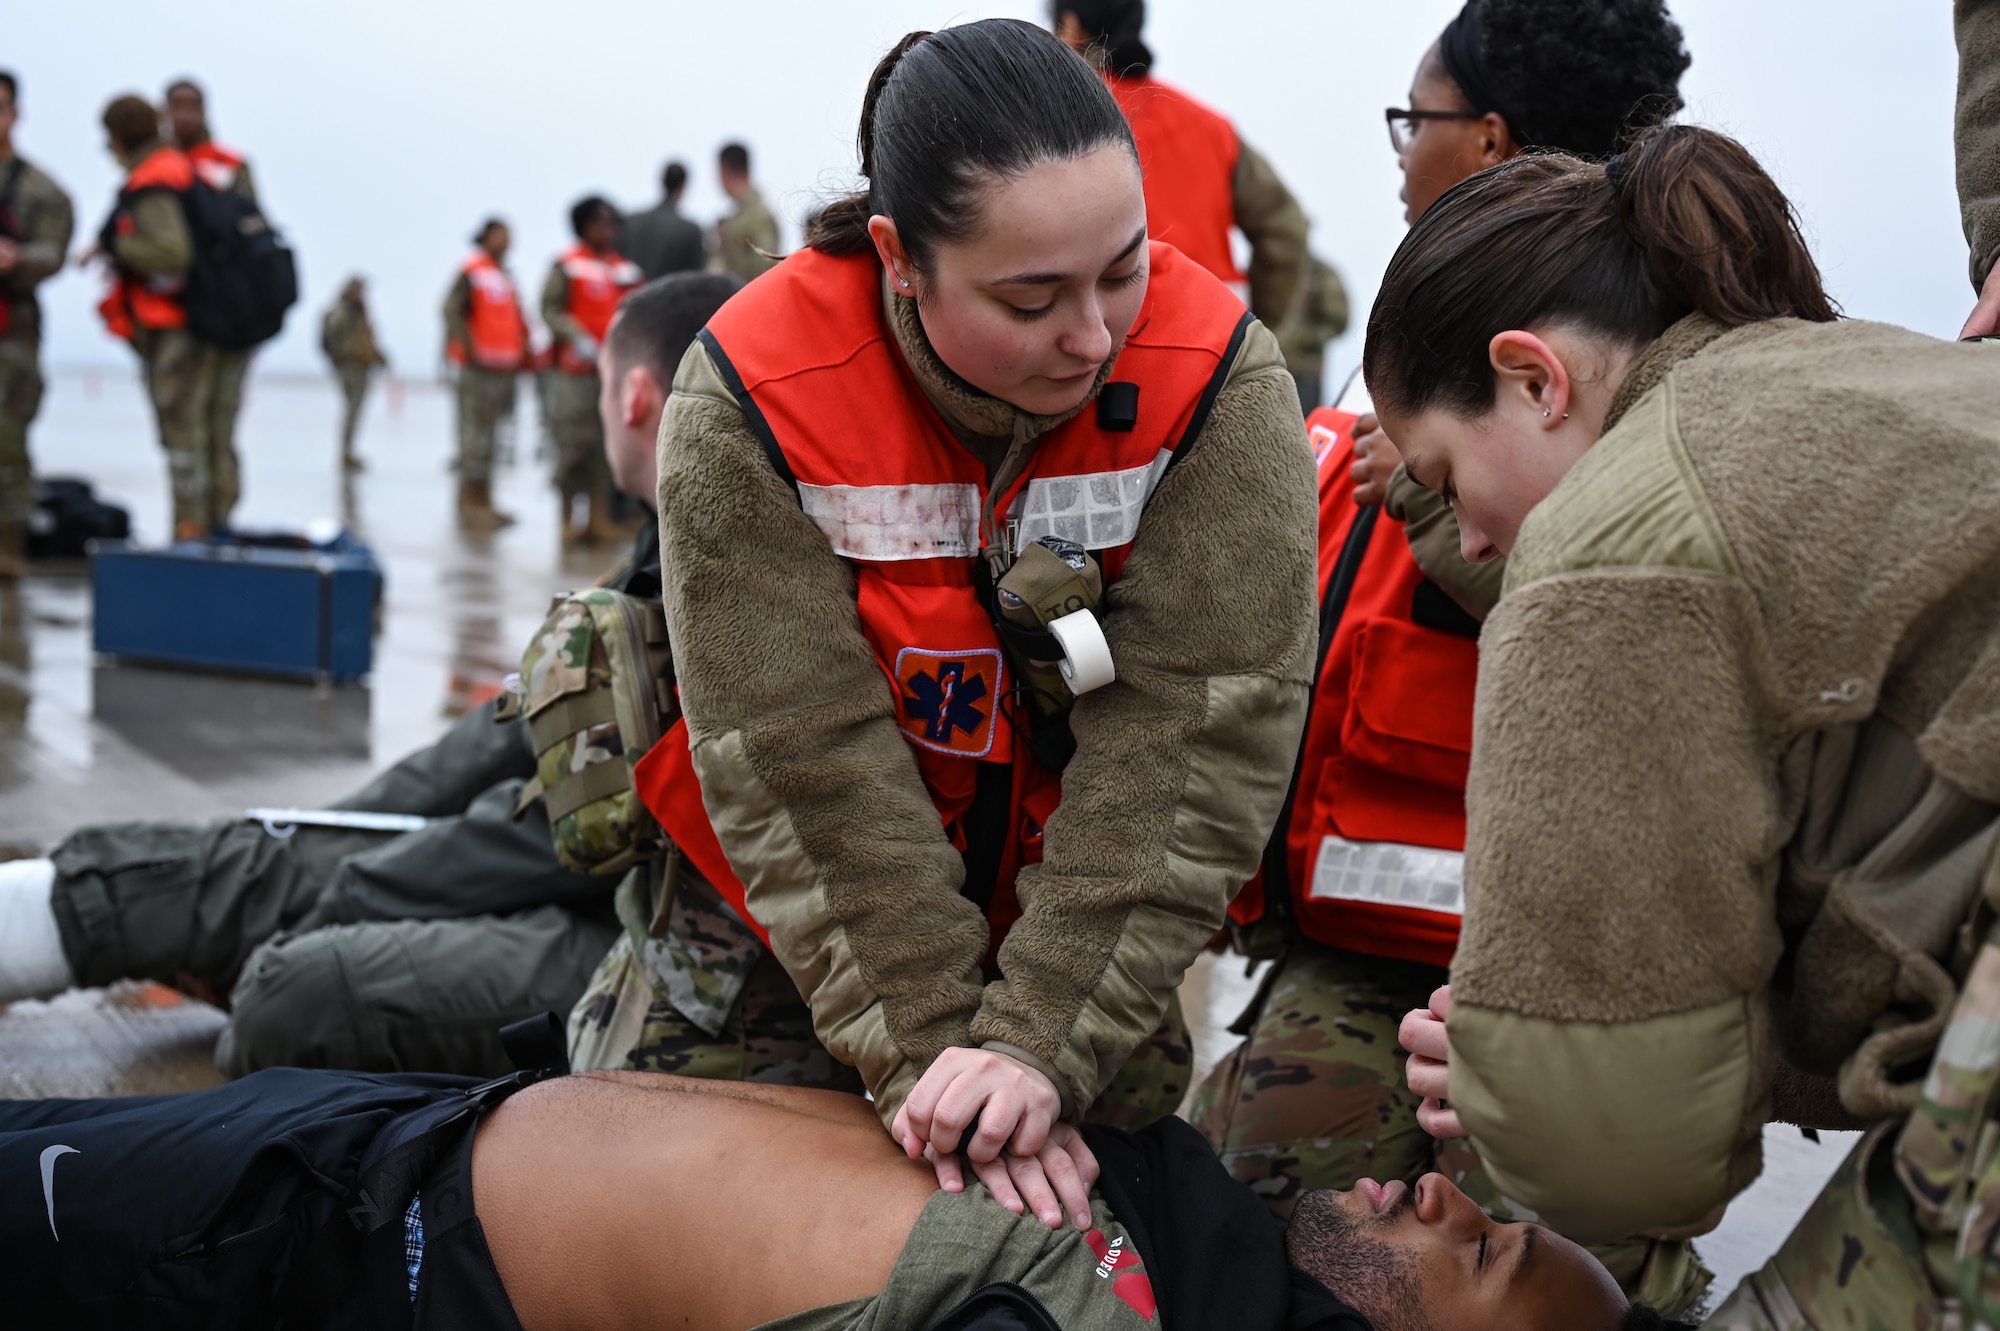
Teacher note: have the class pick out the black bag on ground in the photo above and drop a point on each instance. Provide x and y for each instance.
(243, 278)
(68, 515)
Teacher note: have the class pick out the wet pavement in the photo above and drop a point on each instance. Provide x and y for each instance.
(85, 740)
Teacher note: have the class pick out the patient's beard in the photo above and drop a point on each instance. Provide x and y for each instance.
(1348, 1256)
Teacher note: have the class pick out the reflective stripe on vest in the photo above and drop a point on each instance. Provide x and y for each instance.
(1389, 874)
(216, 164)
(1096, 509)
(808, 353)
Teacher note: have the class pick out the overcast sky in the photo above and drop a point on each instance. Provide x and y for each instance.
(382, 132)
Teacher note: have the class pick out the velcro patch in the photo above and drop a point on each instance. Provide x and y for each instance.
(946, 700)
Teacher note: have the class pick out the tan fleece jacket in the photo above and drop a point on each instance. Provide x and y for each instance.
(1178, 776)
(1976, 132)
(1735, 764)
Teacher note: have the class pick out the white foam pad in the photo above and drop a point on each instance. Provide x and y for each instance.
(32, 964)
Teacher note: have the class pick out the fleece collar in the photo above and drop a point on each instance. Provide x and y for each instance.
(1680, 341)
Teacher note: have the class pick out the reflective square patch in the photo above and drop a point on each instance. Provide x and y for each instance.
(946, 700)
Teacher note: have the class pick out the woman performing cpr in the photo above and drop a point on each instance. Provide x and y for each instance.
(987, 530)
(1734, 771)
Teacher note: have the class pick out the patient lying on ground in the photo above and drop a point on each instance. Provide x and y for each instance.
(630, 1200)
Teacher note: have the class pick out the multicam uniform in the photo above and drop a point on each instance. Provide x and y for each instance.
(148, 240)
(745, 237)
(1318, 315)
(348, 340)
(579, 300)
(486, 337)
(227, 170)
(36, 215)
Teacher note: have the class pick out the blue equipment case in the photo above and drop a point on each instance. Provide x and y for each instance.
(298, 613)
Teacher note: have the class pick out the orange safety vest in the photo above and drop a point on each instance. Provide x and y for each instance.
(137, 300)
(1373, 835)
(216, 164)
(597, 282)
(1187, 157)
(808, 352)
(494, 322)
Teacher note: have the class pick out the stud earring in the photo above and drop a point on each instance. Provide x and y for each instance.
(1545, 413)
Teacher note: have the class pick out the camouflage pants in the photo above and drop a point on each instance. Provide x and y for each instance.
(485, 398)
(581, 468)
(1314, 1097)
(20, 400)
(696, 994)
(227, 370)
(196, 392)
(1907, 1232)
(354, 392)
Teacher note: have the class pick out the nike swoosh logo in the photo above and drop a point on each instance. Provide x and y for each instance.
(49, 1158)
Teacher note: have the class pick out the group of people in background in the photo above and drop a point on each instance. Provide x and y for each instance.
(1604, 692)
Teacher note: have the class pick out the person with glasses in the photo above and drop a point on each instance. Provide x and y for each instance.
(1361, 894)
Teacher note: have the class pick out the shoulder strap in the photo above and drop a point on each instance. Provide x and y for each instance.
(751, 411)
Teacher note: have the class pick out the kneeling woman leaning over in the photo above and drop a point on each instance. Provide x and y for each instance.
(1736, 753)
(979, 403)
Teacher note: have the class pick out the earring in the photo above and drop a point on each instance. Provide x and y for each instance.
(904, 280)
(1545, 413)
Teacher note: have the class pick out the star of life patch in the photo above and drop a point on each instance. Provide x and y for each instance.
(946, 701)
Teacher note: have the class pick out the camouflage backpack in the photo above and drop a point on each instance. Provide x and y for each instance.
(597, 688)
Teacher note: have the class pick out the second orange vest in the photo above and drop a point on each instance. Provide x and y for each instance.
(493, 323)
(1187, 155)
(137, 300)
(597, 282)
(1370, 847)
(808, 352)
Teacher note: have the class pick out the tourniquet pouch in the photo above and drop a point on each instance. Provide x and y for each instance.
(596, 686)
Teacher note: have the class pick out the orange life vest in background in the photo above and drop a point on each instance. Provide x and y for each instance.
(138, 300)
(494, 322)
(1187, 155)
(808, 351)
(597, 282)
(216, 164)
(1373, 834)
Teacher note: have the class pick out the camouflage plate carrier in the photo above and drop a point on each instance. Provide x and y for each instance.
(597, 688)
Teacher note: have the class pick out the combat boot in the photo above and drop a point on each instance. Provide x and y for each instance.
(603, 529)
(13, 551)
(475, 508)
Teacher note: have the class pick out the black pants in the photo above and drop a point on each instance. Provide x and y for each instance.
(376, 951)
(280, 1196)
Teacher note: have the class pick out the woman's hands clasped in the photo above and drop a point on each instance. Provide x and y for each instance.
(983, 1108)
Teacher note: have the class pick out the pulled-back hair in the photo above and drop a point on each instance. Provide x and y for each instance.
(131, 121)
(1114, 27)
(948, 112)
(1683, 221)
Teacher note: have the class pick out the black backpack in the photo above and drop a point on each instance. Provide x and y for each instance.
(243, 278)
(68, 516)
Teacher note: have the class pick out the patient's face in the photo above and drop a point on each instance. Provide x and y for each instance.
(1428, 1259)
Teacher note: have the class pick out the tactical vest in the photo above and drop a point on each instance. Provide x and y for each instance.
(1370, 847)
(493, 323)
(597, 282)
(137, 300)
(1187, 157)
(808, 352)
(217, 165)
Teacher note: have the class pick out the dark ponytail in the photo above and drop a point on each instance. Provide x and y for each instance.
(1114, 27)
(948, 112)
(1684, 221)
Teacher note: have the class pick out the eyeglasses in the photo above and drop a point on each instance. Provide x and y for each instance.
(1403, 122)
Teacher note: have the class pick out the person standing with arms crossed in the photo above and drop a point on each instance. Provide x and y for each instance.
(976, 389)
(579, 299)
(36, 222)
(486, 338)
(1201, 178)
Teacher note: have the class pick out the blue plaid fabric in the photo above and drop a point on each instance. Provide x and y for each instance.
(413, 1242)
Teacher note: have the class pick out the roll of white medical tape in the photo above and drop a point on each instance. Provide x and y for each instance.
(1086, 663)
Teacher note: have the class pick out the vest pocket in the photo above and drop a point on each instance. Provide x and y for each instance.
(1406, 712)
